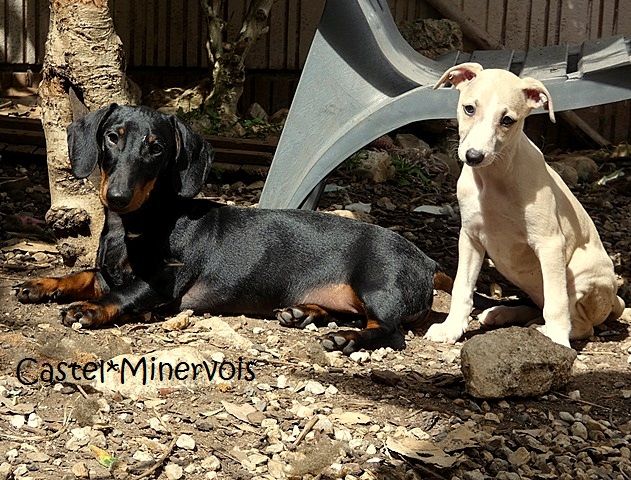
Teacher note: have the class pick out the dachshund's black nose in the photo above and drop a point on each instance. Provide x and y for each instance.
(117, 199)
(474, 156)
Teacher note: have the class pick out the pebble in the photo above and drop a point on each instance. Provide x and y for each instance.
(360, 357)
(579, 430)
(17, 421)
(80, 470)
(566, 416)
(519, 457)
(186, 442)
(314, 387)
(211, 463)
(38, 457)
(282, 382)
(173, 471)
(312, 327)
(574, 395)
(5, 470)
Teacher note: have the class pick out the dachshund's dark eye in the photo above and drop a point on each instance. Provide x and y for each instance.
(112, 138)
(469, 110)
(155, 149)
(507, 121)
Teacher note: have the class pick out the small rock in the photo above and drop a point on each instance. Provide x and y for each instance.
(586, 168)
(358, 207)
(514, 362)
(17, 421)
(255, 111)
(574, 395)
(314, 387)
(566, 172)
(276, 469)
(80, 470)
(142, 456)
(566, 416)
(409, 141)
(211, 463)
(519, 457)
(173, 471)
(5, 470)
(186, 442)
(282, 382)
(579, 430)
(377, 166)
(360, 357)
(38, 457)
(179, 322)
(312, 327)
(257, 459)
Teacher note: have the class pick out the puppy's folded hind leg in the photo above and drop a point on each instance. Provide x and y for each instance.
(501, 315)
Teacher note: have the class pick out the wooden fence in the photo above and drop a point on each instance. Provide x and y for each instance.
(165, 39)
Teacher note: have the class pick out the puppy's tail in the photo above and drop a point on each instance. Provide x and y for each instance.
(445, 283)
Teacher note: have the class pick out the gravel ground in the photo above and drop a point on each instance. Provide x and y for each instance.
(305, 413)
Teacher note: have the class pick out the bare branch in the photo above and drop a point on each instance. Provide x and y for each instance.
(216, 26)
(255, 24)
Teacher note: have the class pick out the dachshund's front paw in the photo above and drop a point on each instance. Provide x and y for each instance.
(37, 290)
(88, 314)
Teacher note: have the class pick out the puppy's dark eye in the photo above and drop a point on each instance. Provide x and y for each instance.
(155, 149)
(469, 110)
(507, 121)
(112, 138)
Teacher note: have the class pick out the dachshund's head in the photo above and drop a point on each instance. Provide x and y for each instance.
(134, 147)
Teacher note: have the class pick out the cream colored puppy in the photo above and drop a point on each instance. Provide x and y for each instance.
(516, 209)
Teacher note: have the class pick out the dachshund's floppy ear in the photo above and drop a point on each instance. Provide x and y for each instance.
(193, 156)
(84, 141)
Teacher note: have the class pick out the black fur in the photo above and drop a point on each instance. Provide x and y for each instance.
(177, 252)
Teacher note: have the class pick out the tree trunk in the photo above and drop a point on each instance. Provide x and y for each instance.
(84, 53)
(228, 59)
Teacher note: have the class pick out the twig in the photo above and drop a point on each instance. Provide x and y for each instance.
(82, 391)
(308, 427)
(585, 402)
(159, 462)
(13, 180)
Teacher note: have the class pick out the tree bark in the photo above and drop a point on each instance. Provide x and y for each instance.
(228, 58)
(84, 53)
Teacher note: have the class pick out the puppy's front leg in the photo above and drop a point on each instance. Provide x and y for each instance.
(556, 303)
(470, 257)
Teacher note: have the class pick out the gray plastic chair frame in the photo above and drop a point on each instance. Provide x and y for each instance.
(361, 80)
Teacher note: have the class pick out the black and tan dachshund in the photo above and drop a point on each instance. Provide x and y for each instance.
(162, 248)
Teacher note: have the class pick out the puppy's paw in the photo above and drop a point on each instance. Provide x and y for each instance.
(37, 290)
(293, 317)
(444, 332)
(88, 314)
(557, 335)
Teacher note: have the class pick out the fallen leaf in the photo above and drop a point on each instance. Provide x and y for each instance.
(104, 458)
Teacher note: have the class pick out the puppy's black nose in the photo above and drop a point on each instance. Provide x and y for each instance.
(474, 156)
(117, 199)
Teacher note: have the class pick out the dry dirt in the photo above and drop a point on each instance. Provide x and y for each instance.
(390, 415)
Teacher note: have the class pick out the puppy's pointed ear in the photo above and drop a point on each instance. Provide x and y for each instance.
(193, 157)
(84, 141)
(459, 74)
(537, 96)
